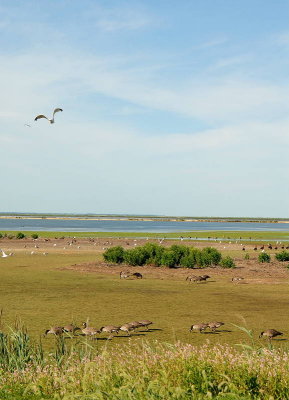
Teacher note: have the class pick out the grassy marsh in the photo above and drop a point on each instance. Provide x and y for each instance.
(73, 284)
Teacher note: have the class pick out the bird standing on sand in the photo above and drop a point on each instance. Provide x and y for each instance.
(50, 120)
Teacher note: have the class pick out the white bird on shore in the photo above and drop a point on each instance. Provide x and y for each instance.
(4, 254)
(50, 120)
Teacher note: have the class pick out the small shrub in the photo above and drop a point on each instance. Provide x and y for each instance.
(283, 256)
(20, 235)
(1, 235)
(179, 252)
(211, 256)
(188, 261)
(168, 258)
(137, 256)
(34, 236)
(264, 257)
(154, 253)
(10, 237)
(247, 256)
(114, 254)
(227, 262)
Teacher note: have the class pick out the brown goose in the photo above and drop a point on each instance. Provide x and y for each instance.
(55, 330)
(135, 324)
(110, 329)
(88, 330)
(145, 323)
(270, 334)
(70, 328)
(214, 325)
(198, 327)
(126, 328)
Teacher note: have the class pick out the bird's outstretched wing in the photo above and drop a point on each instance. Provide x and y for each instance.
(40, 116)
(29, 126)
(56, 110)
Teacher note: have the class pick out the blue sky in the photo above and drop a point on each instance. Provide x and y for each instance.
(170, 107)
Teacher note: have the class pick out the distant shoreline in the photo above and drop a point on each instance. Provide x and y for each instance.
(135, 218)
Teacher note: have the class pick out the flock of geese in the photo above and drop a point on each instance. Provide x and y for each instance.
(91, 331)
(269, 333)
(127, 328)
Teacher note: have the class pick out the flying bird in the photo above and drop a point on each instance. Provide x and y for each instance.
(50, 120)
(28, 126)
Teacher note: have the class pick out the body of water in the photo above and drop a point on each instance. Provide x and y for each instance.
(59, 225)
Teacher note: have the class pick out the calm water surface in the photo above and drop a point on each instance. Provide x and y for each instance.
(133, 226)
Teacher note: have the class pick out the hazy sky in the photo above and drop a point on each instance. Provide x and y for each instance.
(170, 107)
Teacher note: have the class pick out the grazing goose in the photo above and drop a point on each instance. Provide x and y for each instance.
(124, 274)
(110, 329)
(137, 275)
(270, 334)
(88, 330)
(50, 120)
(126, 328)
(70, 328)
(194, 278)
(237, 279)
(198, 327)
(214, 325)
(135, 324)
(55, 330)
(145, 323)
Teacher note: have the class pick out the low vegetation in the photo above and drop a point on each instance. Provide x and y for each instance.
(20, 235)
(139, 371)
(283, 256)
(264, 258)
(228, 262)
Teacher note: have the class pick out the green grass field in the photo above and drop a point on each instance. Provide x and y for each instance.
(39, 291)
(167, 362)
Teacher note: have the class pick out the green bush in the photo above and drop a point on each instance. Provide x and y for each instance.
(1, 235)
(283, 256)
(10, 237)
(169, 258)
(34, 236)
(211, 256)
(188, 261)
(114, 254)
(264, 257)
(137, 256)
(247, 256)
(179, 252)
(20, 235)
(227, 262)
(154, 253)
